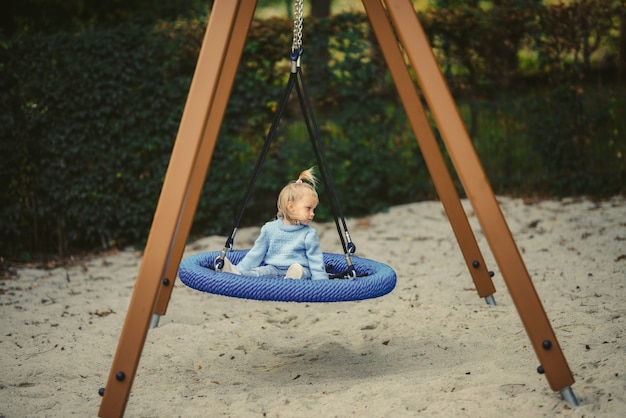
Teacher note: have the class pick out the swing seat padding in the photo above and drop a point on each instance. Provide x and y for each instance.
(376, 279)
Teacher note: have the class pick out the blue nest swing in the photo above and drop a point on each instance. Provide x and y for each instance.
(373, 280)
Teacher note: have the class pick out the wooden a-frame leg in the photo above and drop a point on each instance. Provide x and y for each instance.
(478, 189)
(430, 149)
(214, 122)
(187, 169)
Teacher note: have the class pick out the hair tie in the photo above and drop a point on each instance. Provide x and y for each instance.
(299, 181)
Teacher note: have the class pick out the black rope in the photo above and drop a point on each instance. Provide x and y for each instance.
(318, 148)
(219, 261)
(309, 121)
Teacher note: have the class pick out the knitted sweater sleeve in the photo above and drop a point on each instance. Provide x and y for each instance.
(315, 256)
(254, 257)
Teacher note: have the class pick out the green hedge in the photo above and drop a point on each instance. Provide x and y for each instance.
(88, 121)
(86, 139)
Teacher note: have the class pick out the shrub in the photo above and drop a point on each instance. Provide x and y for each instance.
(88, 121)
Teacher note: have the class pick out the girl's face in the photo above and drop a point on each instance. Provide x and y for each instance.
(303, 209)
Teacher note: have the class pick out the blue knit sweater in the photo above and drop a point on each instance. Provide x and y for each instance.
(282, 245)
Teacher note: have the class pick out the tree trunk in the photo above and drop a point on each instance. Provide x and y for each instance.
(320, 8)
(621, 57)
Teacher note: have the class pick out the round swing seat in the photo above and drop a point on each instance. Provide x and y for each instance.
(373, 279)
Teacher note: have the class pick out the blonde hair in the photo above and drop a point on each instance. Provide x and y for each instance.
(296, 190)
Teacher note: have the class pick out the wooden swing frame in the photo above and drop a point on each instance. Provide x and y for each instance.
(191, 156)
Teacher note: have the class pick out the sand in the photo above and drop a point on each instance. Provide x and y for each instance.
(432, 347)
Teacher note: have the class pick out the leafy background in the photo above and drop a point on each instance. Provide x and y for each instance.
(88, 118)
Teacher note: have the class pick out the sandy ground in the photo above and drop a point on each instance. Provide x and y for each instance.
(431, 347)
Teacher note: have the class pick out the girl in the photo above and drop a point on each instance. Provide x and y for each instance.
(288, 246)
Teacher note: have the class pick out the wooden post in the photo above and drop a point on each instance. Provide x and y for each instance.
(214, 122)
(187, 169)
(478, 189)
(430, 149)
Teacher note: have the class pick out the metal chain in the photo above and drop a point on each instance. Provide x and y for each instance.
(297, 26)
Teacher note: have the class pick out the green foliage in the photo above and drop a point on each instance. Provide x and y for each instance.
(578, 145)
(88, 121)
(53, 16)
(478, 46)
(90, 130)
(567, 35)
